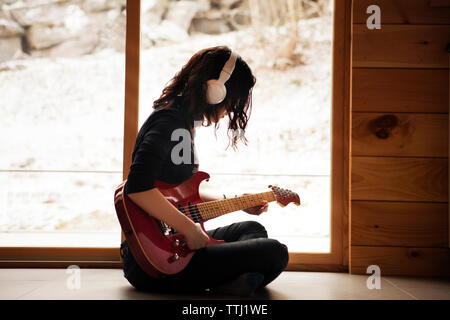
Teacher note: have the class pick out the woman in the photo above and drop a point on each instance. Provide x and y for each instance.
(248, 260)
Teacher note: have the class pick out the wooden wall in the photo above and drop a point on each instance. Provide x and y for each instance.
(399, 145)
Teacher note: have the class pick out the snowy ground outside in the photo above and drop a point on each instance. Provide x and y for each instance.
(67, 114)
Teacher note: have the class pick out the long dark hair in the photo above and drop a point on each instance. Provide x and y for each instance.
(189, 84)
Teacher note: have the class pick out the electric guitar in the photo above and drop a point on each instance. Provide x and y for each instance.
(159, 249)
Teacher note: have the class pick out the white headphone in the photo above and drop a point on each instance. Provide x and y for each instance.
(216, 91)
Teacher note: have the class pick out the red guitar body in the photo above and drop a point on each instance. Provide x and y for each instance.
(158, 251)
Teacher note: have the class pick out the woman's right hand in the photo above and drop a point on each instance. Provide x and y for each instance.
(156, 205)
(195, 237)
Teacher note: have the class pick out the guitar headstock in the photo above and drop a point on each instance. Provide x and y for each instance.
(285, 196)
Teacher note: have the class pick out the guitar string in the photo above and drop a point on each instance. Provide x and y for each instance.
(210, 210)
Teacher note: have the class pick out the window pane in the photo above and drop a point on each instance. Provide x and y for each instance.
(62, 124)
(289, 128)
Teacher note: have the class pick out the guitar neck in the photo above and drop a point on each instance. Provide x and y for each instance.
(212, 209)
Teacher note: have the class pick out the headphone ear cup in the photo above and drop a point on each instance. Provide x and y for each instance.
(215, 92)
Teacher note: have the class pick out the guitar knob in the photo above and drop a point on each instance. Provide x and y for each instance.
(173, 258)
(176, 243)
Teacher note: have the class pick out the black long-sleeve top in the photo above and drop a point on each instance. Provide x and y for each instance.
(159, 150)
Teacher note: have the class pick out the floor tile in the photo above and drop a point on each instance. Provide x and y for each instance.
(14, 289)
(89, 274)
(32, 274)
(88, 290)
(341, 286)
(423, 288)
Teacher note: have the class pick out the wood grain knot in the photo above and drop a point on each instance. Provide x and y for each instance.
(414, 254)
(382, 126)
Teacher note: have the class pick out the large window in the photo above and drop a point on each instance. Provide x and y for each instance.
(66, 145)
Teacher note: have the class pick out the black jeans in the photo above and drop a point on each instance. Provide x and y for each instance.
(247, 249)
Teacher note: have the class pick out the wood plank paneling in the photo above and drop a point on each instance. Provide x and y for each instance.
(400, 90)
(439, 3)
(400, 144)
(397, 134)
(409, 224)
(404, 11)
(399, 179)
(401, 261)
(401, 46)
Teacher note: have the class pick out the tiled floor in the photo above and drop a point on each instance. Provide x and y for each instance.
(107, 284)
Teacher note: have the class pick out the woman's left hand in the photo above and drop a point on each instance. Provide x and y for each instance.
(257, 210)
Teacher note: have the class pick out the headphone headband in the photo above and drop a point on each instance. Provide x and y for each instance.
(228, 68)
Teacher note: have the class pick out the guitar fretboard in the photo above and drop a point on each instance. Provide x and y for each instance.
(212, 209)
